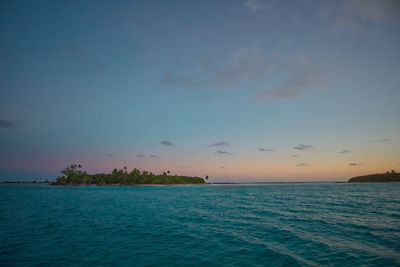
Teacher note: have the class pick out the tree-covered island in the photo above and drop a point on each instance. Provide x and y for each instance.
(377, 178)
(73, 175)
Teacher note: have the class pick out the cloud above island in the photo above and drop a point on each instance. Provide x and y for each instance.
(261, 149)
(384, 140)
(166, 143)
(149, 156)
(219, 144)
(303, 164)
(219, 152)
(303, 147)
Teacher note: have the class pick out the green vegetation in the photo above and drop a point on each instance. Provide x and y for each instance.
(73, 175)
(377, 178)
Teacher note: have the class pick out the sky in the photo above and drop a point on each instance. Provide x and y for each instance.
(240, 90)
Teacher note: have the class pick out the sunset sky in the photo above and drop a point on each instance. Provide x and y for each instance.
(241, 90)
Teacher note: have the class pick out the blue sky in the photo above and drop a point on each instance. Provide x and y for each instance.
(105, 83)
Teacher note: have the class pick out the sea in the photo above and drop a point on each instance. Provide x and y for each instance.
(272, 224)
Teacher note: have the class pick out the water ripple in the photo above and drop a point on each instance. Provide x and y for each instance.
(235, 225)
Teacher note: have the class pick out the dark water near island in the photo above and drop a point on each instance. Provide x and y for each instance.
(214, 225)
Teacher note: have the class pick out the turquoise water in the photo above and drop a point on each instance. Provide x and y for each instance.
(263, 225)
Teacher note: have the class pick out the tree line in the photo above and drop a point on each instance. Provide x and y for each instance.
(74, 175)
(392, 176)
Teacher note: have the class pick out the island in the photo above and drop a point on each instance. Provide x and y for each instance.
(73, 175)
(377, 178)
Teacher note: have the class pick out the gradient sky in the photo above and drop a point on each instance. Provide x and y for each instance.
(241, 90)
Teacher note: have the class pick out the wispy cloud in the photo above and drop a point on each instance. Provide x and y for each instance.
(9, 124)
(379, 140)
(295, 156)
(372, 10)
(265, 149)
(223, 167)
(171, 81)
(144, 156)
(166, 143)
(344, 151)
(302, 78)
(303, 147)
(355, 15)
(255, 5)
(110, 155)
(260, 5)
(219, 152)
(295, 73)
(353, 164)
(303, 164)
(244, 64)
(219, 144)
